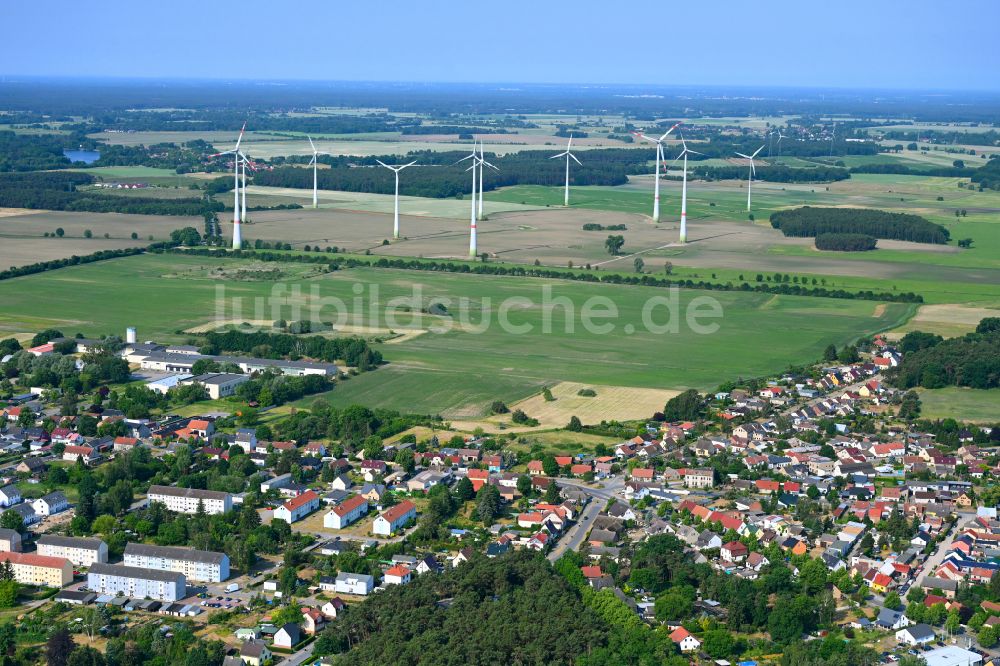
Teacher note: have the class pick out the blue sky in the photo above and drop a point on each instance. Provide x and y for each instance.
(915, 44)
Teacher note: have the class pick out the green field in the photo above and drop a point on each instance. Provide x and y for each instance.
(455, 370)
(962, 404)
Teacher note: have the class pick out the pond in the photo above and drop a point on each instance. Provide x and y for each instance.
(85, 156)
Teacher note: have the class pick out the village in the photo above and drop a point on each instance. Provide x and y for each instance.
(814, 473)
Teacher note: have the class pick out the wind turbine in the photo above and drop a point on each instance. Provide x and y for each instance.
(684, 188)
(235, 152)
(833, 135)
(315, 162)
(659, 158)
(395, 169)
(780, 137)
(567, 155)
(482, 163)
(472, 215)
(753, 172)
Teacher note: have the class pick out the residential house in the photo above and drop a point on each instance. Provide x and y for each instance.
(297, 508)
(255, 653)
(345, 513)
(51, 504)
(288, 636)
(684, 640)
(397, 575)
(699, 478)
(394, 518)
(352, 583)
(918, 634)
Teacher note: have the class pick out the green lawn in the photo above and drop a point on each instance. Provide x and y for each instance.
(461, 370)
(962, 404)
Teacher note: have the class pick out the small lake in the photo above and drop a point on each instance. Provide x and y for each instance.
(85, 156)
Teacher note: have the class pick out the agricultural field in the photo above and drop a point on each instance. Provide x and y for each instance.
(948, 321)
(443, 370)
(961, 404)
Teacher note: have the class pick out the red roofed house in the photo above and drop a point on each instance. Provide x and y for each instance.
(591, 572)
(297, 508)
(535, 468)
(478, 477)
(125, 443)
(683, 639)
(580, 470)
(397, 575)
(346, 512)
(642, 474)
(394, 518)
(734, 552)
(71, 453)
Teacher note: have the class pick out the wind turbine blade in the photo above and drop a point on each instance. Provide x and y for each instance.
(574, 158)
(753, 169)
(693, 152)
(240, 137)
(757, 152)
(562, 154)
(569, 144)
(383, 164)
(312, 161)
(746, 157)
(669, 131)
(311, 144)
(488, 164)
(408, 165)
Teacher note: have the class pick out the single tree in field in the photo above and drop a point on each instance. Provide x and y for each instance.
(614, 244)
(638, 263)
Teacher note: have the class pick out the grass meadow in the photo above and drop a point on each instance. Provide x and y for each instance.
(460, 370)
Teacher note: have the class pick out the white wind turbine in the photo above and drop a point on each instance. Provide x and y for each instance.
(780, 137)
(472, 215)
(659, 158)
(567, 155)
(753, 172)
(315, 165)
(482, 163)
(684, 188)
(395, 219)
(235, 152)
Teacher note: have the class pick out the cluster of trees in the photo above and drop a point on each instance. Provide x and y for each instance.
(906, 170)
(810, 221)
(774, 174)
(511, 609)
(352, 350)
(185, 158)
(439, 179)
(988, 175)
(274, 388)
(226, 118)
(452, 129)
(56, 190)
(972, 360)
(351, 425)
(795, 289)
(594, 226)
(845, 242)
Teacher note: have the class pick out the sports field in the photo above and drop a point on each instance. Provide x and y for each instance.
(460, 370)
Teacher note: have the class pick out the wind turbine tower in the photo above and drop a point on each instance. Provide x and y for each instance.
(395, 218)
(753, 172)
(235, 152)
(315, 162)
(472, 214)
(567, 155)
(684, 188)
(659, 158)
(482, 163)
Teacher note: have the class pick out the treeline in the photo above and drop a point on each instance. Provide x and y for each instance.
(810, 221)
(987, 138)
(904, 170)
(439, 176)
(191, 156)
(453, 129)
(42, 266)
(607, 278)
(972, 360)
(353, 351)
(846, 242)
(511, 609)
(58, 191)
(270, 389)
(774, 174)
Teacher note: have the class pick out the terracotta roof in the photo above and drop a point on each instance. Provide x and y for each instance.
(301, 500)
(396, 512)
(33, 559)
(349, 505)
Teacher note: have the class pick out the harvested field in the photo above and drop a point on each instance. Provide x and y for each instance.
(946, 320)
(611, 402)
(25, 251)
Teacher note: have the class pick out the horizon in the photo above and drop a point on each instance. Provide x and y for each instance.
(782, 44)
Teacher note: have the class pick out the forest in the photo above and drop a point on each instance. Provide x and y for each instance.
(988, 175)
(842, 242)
(508, 610)
(30, 152)
(810, 221)
(440, 177)
(972, 360)
(50, 190)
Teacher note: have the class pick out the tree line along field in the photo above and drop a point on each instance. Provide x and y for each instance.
(758, 334)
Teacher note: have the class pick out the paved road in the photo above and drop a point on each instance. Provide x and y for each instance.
(300, 657)
(932, 562)
(574, 536)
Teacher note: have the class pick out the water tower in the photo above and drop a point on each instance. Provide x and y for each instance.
(130, 335)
